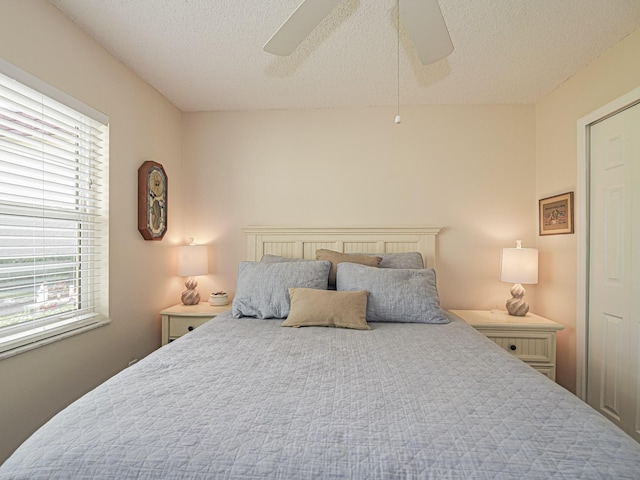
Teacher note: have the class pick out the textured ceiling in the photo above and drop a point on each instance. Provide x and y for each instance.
(207, 54)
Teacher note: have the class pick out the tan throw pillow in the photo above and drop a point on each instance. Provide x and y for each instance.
(336, 257)
(327, 308)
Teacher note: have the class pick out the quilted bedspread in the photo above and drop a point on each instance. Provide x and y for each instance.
(246, 398)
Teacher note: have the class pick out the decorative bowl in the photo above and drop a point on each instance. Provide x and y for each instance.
(218, 298)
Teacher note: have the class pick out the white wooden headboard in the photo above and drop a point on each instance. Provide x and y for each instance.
(302, 242)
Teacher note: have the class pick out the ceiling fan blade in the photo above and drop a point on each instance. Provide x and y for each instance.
(299, 25)
(426, 27)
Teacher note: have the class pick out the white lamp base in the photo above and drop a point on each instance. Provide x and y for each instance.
(516, 305)
(190, 296)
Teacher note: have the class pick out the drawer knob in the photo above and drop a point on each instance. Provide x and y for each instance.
(190, 328)
(512, 348)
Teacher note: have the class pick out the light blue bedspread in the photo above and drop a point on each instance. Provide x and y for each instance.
(246, 398)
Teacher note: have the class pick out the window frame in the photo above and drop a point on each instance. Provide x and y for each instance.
(22, 337)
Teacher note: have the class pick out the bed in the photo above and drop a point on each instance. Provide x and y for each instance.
(242, 398)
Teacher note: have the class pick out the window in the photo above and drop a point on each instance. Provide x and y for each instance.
(53, 214)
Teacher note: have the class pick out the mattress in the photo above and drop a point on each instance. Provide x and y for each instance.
(246, 398)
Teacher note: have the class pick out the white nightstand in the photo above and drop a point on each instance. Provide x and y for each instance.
(531, 338)
(181, 319)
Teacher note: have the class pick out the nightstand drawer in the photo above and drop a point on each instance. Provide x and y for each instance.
(181, 319)
(529, 347)
(531, 338)
(178, 326)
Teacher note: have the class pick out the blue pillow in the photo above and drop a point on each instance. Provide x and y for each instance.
(263, 288)
(399, 260)
(269, 258)
(395, 295)
(389, 260)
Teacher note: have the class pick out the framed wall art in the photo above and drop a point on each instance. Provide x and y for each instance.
(556, 214)
(152, 201)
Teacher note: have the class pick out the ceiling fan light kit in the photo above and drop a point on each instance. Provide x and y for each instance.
(422, 18)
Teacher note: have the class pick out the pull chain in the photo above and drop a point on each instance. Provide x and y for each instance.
(398, 119)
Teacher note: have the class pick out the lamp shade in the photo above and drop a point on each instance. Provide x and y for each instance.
(519, 265)
(193, 260)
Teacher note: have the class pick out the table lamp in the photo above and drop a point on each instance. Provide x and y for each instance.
(519, 265)
(192, 261)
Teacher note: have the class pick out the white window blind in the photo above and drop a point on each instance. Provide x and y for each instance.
(53, 224)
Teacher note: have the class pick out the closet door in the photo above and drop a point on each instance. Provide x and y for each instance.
(614, 279)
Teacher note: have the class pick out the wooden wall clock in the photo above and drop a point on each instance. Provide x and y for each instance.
(152, 201)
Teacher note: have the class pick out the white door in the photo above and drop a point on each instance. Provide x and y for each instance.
(614, 270)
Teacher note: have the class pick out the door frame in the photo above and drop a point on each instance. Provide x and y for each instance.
(582, 227)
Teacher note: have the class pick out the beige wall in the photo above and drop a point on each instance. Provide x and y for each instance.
(33, 386)
(607, 78)
(469, 169)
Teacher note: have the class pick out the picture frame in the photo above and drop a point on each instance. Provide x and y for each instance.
(556, 214)
(152, 200)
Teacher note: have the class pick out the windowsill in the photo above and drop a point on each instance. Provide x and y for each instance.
(51, 339)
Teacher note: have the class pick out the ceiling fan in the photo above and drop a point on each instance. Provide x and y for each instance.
(422, 18)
